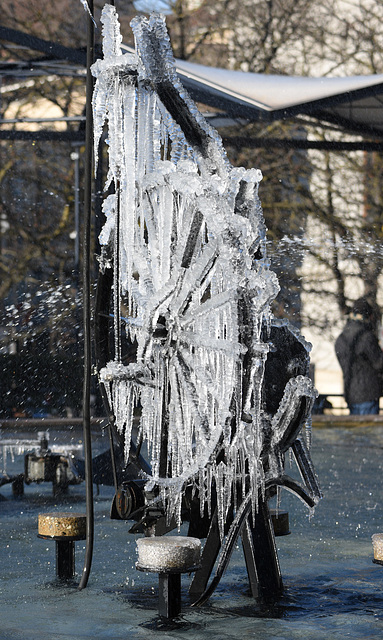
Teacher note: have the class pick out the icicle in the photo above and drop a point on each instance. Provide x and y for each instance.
(86, 7)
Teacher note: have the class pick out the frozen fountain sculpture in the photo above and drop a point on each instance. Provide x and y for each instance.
(194, 369)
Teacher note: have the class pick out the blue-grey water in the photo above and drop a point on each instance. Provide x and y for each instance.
(332, 587)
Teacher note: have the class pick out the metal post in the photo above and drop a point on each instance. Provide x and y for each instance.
(169, 596)
(65, 559)
(261, 556)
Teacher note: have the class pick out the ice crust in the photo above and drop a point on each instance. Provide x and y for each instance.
(192, 284)
(168, 553)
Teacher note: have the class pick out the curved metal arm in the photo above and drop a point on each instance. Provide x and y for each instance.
(302, 457)
(238, 522)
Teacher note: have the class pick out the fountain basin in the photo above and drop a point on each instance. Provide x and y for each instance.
(332, 587)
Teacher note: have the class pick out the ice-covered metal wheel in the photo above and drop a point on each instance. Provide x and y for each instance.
(184, 329)
(170, 350)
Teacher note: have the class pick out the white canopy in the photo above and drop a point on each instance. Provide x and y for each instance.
(355, 103)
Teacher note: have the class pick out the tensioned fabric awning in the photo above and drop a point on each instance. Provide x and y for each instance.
(354, 103)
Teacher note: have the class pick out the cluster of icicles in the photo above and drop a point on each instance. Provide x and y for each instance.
(182, 231)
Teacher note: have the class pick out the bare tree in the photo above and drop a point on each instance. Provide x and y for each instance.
(268, 36)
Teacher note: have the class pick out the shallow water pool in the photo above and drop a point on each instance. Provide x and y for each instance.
(332, 587)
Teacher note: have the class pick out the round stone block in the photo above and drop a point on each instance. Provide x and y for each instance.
(70, 526)
(168, 554)
(377, 544)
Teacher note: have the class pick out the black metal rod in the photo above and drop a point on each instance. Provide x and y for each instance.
(169, 595)
(43, 134)
(251, 565)
(65, 559)
(51, 49)
(33, 424)
(209, 557)
(300, 143)
(336, 146)
(113, 457)
(86, 304)
(263, 558)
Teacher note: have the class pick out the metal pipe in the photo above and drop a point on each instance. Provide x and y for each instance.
(76, 157)
(86, 303)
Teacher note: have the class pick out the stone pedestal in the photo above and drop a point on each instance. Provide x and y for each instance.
(64, 529)
(169, 556)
